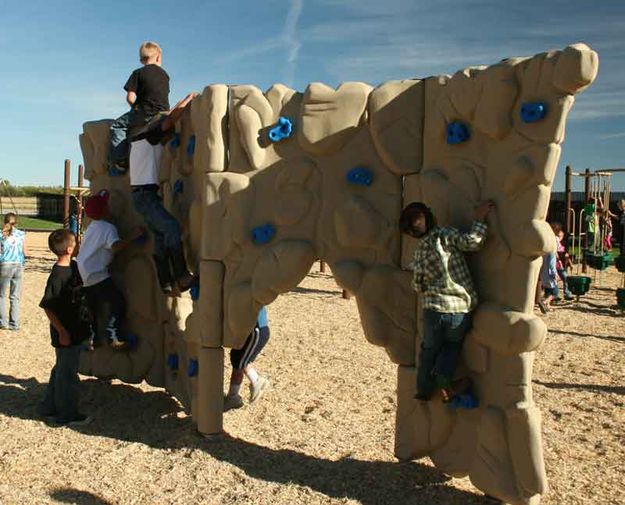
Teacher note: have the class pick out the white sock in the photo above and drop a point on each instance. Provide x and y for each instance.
(251, 374)
(234, 389)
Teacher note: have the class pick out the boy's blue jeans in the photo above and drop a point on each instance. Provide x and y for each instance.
(441, 345)
(164, 226)
(11, 279)
(61, 398)
(118, 143)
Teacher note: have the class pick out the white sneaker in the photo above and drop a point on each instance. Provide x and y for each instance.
(258, 388)
(232, 402)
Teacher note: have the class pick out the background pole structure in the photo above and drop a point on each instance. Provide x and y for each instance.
(81, 183)
(568, 200)
(66, 194)
(586, 200)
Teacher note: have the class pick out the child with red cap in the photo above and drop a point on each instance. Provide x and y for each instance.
(99, 245)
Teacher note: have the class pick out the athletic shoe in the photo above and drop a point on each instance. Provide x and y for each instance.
(543, 308)
(258, 388)
(117, 344)
(232, 402)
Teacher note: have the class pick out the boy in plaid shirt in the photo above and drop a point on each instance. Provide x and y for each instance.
(443, 281)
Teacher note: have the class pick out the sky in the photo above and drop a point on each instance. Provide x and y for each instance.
(65, 62)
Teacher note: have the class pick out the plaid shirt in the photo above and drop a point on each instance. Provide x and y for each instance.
(441, 274)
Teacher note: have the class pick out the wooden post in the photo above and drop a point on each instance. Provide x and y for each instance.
(66, 193)
(81, 182)
(586, 200)
(568, 200)
(322, 266)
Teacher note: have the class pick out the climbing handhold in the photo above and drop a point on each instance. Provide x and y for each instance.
(457, 133)
(172, 361)
(361, 176)
(263, 234)
(178, 186)
(464, 401)
(282, 130)
(132, 340)
(195, 292)
(175, 141)
(531, 112)
(191, 145)
(192, 368)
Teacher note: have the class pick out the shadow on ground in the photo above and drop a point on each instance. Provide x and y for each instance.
(612, 338)
(77, 497)
(127, 413)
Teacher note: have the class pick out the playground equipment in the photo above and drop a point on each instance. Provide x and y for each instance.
(73, 221)
(578, 284)
(297, 196)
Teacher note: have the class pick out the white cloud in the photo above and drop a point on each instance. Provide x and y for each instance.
(290, 36)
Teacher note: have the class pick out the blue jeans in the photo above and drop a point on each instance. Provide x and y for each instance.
(119, 148)
(11, 278)
(441, 346)
(61, 397)
(563, 274)
(163, 225)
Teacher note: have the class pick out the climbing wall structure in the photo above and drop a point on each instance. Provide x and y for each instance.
(266, 183)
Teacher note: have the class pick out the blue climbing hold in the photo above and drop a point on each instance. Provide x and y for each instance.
(464, 401)
(178, 186)
(191, 145)
(263, 234)
(195, 292)
(132, 340)
(360, 176)
(282, 130)
(175, 142)
(114, 171)
(457, 133)
(531, 112)
(193, 367)
(172, 361)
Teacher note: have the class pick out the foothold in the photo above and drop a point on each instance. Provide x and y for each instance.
(532, 112)
(172, 361)
(175, 141)
(178, 186)
(464, 401)
(360, 176)
(191, 145)
(195, 292)
(115, 171)
(192, 368)
(263, 234)
(457, 133)
(132, 340)
(282, 130)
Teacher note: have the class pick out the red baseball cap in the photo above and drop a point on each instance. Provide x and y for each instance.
(96, 206)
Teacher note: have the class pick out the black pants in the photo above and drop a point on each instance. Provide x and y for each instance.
(107, 308)
(255, 343)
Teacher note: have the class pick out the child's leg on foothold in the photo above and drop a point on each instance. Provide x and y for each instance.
(455, 327)
(431, 343)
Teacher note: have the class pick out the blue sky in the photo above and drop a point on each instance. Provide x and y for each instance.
(64, 63)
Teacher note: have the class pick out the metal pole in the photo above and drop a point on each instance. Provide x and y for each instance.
(66, 193)
(586, 200)
(568, 200)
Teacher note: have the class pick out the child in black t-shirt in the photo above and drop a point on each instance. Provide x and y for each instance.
(68, 329)
(147, 93)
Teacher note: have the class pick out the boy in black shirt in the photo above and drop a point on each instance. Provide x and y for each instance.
(68, 329)
(147, 93)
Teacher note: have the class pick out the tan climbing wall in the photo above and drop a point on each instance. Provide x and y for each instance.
(235, 180)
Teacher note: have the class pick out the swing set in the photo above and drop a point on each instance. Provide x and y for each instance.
(590, 229)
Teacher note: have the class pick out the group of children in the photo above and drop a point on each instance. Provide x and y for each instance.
(84, 306)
